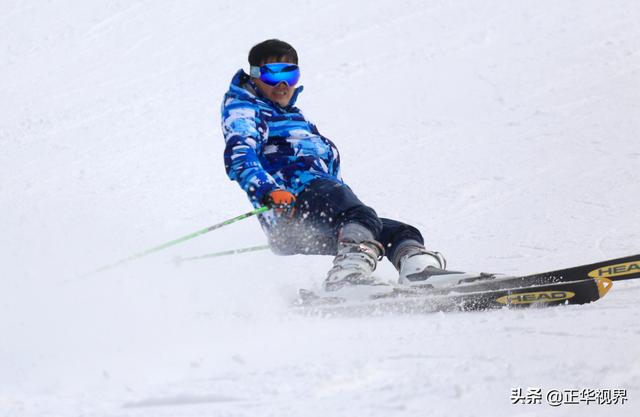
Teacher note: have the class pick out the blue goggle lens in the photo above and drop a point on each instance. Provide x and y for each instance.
(274, 74)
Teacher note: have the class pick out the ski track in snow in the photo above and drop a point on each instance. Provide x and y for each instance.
(506, 131)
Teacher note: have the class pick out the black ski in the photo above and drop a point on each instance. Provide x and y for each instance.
(566, 292)
(613, 269)
(575, 285)
(406, 300)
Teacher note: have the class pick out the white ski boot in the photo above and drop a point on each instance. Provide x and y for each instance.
(354, 264)
(427, 269)
(420, 266)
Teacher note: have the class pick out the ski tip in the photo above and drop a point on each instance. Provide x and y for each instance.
(604, 285)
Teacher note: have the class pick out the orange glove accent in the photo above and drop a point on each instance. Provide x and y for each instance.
(282, 202)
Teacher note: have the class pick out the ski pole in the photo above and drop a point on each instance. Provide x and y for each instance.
(179, 240)
(179, 259)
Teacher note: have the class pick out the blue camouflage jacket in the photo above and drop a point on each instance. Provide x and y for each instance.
(271, 147)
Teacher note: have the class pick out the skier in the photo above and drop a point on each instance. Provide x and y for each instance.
(280, 159)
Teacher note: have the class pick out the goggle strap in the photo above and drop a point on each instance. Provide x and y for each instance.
(254, 71)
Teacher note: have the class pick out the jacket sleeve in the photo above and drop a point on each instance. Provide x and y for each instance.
(244, 131)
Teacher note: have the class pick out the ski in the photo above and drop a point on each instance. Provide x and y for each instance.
(613, 269)
(443, 290)
(407, 300)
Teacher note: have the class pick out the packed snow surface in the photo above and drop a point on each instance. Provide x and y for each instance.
(507, 131)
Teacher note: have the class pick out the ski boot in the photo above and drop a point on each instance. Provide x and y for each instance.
(354, 264)
(421, 265)
(427, 269)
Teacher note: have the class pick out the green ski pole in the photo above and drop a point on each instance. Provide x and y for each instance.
(179, 240)
(178, 260)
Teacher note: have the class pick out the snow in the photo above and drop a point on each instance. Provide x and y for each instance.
(506, 131)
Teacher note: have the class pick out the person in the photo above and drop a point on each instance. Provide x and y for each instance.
(280, 159)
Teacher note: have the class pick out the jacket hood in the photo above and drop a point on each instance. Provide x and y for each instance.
(243, 87)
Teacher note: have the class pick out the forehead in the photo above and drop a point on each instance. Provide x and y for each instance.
(274, 59)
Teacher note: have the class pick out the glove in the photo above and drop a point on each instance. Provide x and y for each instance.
(281, 201)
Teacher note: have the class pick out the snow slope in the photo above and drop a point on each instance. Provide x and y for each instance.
(507, 131)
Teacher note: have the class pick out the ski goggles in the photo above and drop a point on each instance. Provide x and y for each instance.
(274, 74)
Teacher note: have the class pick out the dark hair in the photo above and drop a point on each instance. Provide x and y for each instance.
(272, 48)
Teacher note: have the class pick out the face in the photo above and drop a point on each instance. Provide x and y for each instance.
(280, 93)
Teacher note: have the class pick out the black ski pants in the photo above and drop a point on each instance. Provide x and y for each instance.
(321, 210)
